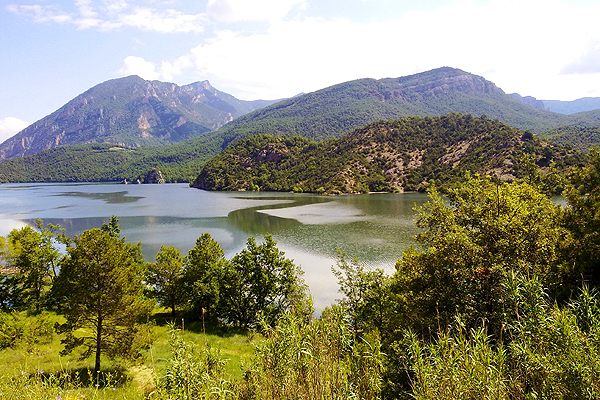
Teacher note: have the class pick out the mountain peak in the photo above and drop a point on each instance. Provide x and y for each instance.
(130, 111)
(443, 80)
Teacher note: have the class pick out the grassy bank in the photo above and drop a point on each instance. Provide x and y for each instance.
(35, 369)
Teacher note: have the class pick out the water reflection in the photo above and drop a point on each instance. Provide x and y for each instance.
(110, 197)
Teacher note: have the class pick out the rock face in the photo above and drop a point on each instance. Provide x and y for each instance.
(529, 100)
(154, 176)
(133, 112)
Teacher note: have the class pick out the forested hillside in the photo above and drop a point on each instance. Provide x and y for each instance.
(395, 155)
(337, 110)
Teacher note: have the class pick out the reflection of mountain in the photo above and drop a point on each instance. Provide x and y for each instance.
(256, 223)
(110, 197)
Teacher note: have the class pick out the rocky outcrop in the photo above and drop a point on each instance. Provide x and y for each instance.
(154, 176)
(529, 100)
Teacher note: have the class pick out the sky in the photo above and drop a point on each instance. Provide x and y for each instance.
(53, 50)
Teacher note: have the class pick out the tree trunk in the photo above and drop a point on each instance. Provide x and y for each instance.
(98, 347)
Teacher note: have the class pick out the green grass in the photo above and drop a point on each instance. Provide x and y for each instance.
(38, 371)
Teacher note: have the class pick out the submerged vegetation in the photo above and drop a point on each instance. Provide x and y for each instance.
(499, 299)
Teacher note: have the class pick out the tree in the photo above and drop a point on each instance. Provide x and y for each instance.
(34, 255)
(471, 240)
(366, 298)
(165, 277)
(203, 272)
(101, 295)
(582, 219)
(260, 280)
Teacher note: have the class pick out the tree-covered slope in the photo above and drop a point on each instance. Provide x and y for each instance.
(103, 162)
(395, 155)
(131, 112)
(337, 110)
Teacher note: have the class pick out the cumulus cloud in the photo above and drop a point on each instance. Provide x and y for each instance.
(520, 45)
(133, 65)
(10, 126)
(251, 10)
(40, 13)
(115, 14)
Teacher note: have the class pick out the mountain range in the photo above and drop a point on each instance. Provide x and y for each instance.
(131, 113)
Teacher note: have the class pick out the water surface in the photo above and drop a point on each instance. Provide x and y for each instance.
(311, 229)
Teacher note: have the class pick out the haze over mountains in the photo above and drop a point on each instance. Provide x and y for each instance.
(559, 106)
(131, 113)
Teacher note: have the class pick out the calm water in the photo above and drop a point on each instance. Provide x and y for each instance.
(311, 229)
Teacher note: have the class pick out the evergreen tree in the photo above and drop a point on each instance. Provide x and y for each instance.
(101, 295)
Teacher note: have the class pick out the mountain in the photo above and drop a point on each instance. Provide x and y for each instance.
(131, 112)
(529, 100)
(394, 155)
(558, 106)
(337, 110)
(573, 107)
(327, 113)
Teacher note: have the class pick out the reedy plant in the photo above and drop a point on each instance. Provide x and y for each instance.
(194, 372)
(320, 359)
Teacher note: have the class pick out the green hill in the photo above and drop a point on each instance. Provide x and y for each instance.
(337, 110)
(396, 155)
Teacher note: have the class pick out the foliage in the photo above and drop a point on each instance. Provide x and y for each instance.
(315, 360)
(100, 289)
(366, 297)
(471, 240)
(459, 365)
(582, 219)
(260, 281)
(552, 352)
(108, 163)
(165, 278)
(35, 256)
(398, 155)
(203, 276)
(193, 373)
(17, 328)
(579, 137)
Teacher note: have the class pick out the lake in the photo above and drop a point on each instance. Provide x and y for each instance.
(311, 229)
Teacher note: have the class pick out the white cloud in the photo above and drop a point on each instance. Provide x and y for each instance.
(522, 46)
(251, 10)
(165, 22)
(115, 14)
(40, 13)
(588, 63)
(10, 126)
(138, 66)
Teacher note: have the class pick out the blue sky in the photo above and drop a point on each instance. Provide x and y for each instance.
(53, 50)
